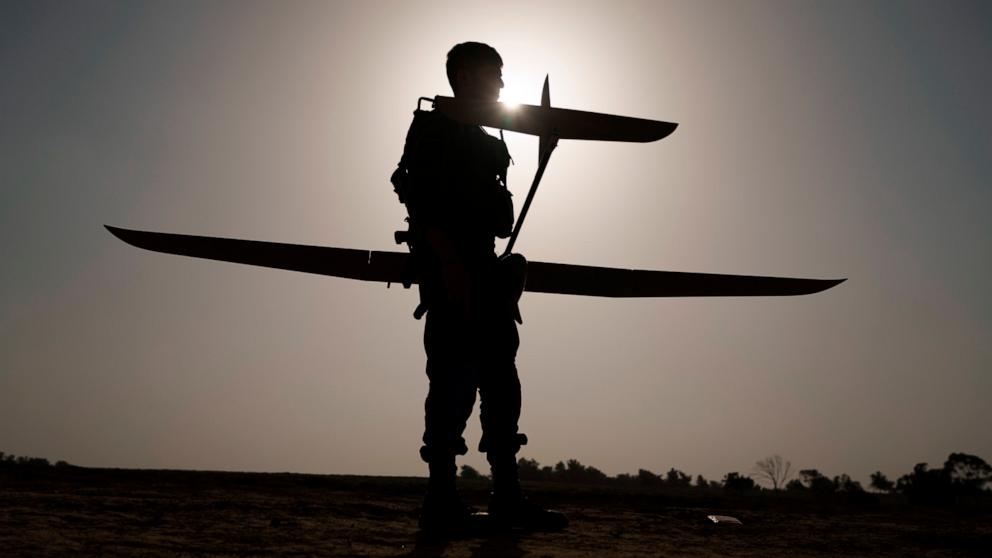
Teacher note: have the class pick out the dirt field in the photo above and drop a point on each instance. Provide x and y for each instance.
(101, 512)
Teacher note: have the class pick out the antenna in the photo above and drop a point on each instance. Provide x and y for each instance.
(546, 145)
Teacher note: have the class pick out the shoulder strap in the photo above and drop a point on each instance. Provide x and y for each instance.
(413, 137)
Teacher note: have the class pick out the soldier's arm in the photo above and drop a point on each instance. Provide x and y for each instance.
(436, 190)
(454, 275)
(433, 192)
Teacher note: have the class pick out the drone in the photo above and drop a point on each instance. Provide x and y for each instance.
(549, 124)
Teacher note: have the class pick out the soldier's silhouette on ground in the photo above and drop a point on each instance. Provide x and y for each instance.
(452, 180)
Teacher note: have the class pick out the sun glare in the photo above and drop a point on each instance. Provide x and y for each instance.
(514, 92)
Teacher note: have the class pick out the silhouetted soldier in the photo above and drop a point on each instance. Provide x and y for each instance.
(452, 179)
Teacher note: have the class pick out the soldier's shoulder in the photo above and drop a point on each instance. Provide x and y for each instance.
(432, 126)
(433, 119)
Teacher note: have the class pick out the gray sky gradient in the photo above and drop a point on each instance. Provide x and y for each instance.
(818, 139)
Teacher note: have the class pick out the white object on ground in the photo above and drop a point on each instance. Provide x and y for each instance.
(724, 519)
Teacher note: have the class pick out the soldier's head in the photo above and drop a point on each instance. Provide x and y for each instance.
(475, 71)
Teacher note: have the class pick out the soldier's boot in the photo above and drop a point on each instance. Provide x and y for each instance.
(510, 509)
(443, 512)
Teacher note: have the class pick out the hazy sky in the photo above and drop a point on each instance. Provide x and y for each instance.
(827, 139)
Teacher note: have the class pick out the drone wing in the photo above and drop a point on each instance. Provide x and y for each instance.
(548, 121)
(364, 265)
(585, 280)
(390, 267)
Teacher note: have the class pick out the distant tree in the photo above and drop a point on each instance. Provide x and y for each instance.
(594, 475)
(960, 481)
(925, 485)
(702, 482)
(816, 482)
(573, 466)
(881, 483)
(571, 471)
(38, 462)
(968, 472)
(470, 473)
(851, 493)
(774, 470)
(735, 481)
(674, 477)
(576, 472)
(647, 478)
(625, 478)
(795, 485)
(845, 483)
(22, 463)
(529, 469)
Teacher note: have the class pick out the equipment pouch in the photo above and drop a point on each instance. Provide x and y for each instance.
(503, 206)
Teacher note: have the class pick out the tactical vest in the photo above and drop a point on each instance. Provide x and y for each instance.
(454, 176)
(447, 166)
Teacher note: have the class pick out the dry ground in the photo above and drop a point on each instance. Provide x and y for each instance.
(102, 512)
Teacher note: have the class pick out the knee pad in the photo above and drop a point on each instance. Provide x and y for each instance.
(434, 453)
(502, 444)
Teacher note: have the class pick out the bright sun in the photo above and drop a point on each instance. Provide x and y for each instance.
(515, 92)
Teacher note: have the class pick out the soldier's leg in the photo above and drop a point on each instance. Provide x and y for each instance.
(450, 398)
(500, 413)
(499, 389)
